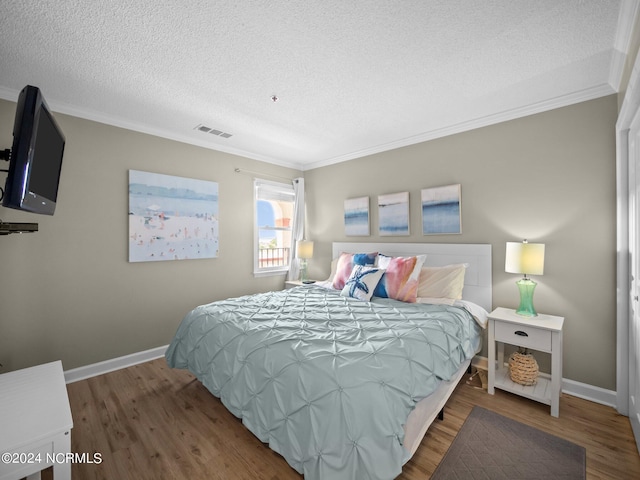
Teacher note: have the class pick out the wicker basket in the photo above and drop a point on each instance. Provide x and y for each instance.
(523, 368)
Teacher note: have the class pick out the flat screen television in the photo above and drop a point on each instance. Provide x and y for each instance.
(35, 161)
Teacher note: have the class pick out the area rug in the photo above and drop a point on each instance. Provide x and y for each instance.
(490, 446)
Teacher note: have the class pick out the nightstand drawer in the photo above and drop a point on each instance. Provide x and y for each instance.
(523, 335)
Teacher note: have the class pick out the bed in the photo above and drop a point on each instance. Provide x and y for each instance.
(341, 387)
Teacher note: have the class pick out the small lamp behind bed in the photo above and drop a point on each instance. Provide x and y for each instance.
(528, 259)
(304, 251)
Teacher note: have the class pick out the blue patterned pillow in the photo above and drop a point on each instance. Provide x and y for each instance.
(346, 262)
(362, 282)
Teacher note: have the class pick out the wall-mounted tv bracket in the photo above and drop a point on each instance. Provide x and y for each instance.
(7, 228)
(4, 155)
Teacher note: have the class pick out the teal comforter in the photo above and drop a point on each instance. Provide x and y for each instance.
(326, 381)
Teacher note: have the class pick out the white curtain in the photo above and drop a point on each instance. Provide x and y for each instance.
(297, 228)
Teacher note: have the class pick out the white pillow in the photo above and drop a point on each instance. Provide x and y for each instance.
(334, 268)
(442, 282)
(362, 282)
(436, 301)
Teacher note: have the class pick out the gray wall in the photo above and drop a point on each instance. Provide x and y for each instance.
(549, 178)
(68, 292)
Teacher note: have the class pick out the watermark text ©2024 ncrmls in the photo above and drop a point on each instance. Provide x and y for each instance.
(50, 458)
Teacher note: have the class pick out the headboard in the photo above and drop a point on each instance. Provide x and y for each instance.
(477, 280)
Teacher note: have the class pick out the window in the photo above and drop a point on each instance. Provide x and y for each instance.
(274, 216)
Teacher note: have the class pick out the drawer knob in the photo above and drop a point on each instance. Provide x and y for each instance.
(521, 333)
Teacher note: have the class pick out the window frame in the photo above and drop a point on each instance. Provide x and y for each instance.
(278, 189)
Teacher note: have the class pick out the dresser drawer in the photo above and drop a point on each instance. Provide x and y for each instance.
(523, 336)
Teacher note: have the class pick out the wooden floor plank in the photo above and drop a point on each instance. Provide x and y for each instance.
(153, 422)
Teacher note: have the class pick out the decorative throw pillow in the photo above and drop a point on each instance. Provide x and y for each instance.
(346, 262)
(400, 280)
(442, 282)
(362, 282)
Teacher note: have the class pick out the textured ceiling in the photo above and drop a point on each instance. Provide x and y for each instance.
(352, 77)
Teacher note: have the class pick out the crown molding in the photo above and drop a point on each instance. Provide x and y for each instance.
(539, 107)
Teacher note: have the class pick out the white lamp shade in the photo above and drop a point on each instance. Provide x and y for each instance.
(527, 258)
(304, 249)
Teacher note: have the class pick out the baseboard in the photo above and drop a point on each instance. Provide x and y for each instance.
(95, 369)
(589, 392)
(570, 387)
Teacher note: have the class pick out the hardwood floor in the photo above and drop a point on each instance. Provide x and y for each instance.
(153, 422)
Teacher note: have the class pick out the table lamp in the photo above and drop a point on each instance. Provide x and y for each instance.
(528, 259)
(304, 251)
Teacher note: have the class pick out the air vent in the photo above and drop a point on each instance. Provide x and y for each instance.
(213, 131)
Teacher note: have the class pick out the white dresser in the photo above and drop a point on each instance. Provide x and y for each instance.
(35, 423)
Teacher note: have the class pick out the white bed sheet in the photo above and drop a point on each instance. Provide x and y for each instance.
(427, 409)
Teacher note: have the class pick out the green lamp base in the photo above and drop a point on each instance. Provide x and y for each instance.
(526, 287)
(303, 270)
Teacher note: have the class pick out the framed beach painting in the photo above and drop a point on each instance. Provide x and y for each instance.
(441, 210)
(171, 218)
(356, 216)
(393, 214)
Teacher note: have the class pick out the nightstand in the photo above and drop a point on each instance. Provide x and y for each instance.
(542, 333)
(297, 283)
